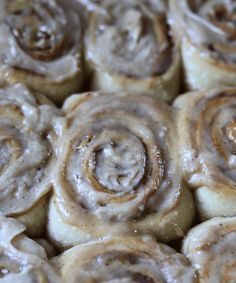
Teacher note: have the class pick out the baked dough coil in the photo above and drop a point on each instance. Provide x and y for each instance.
(27, 124)
(210, 247)
(21, 259)
(128, 46)
(207, 145)
(207, 31)
(40, 46)
(117, 171)
(124, 260)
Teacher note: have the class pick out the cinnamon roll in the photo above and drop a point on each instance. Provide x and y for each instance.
(21, 259)
(207, 145)
(40, 45)
(124, 260)
(117, 171)
(26, 126)
(208, 32)
(129, 46)
(210, 247)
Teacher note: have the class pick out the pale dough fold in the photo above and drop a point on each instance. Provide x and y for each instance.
(207, 31)
(211, 248)
(124, 260)
(117, 171)
(129, 46)
(207, 146)
(40, 45)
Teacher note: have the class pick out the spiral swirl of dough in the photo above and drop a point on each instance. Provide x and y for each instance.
(124, 260)
(21, 259)
(129, 47)
(37, 46)
(116, 162)
(210, 247)
(26, 125)
(207, 142)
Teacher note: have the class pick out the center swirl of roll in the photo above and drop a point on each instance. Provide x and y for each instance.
(119, 160)
(110, 166)
(38, 27)
(112, 160)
